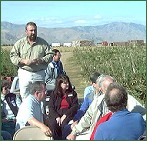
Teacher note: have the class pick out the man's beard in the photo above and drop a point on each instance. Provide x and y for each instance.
(32, 37)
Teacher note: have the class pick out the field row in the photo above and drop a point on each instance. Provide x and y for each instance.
(126, 64)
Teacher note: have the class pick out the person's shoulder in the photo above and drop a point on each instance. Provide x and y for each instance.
(22, 40)
(41, 40)
(51, 65)
(74, 92)
(89, 88)
(11, 95)
(136, 115)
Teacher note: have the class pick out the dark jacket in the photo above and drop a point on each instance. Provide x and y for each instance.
(54, 105)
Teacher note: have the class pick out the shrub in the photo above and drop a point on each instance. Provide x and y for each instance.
(7, 68)
(126, 64)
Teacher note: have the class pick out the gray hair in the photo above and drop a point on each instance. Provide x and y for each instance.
(102, 78)
(35, 86)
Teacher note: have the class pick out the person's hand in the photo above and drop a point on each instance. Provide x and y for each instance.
(74, 123)
(58, 119)
(62, 118)
(26, 61)
(46, 130)
(71, 137)
(37, 61)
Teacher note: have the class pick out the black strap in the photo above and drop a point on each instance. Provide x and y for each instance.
(9, 98)
(100, 107)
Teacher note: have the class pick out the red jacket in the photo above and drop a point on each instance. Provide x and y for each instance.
(101, 120)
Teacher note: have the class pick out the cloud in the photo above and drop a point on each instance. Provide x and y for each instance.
(97, 16)
(80, 22)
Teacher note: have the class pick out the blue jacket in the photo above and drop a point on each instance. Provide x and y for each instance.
(123, 125)
(53, 70)
(85, 105)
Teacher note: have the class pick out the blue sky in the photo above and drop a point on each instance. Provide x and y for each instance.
(73, 13)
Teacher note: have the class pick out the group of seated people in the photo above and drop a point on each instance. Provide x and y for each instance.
(108, 112)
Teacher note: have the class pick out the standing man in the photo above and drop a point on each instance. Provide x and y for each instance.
(32, 55)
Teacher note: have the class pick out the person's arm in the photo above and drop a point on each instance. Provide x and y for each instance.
(18, 100)
(89, 117)
(48, 53)
(85, 121)
(34, 122)
(15, 55)
(71, 137)
(82, 109)
(49, 73)
(87, 91)
(51, 106)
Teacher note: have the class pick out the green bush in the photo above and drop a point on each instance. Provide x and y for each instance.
(126, 64)
(7, 68)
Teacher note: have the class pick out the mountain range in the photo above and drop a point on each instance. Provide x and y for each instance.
(112, 32)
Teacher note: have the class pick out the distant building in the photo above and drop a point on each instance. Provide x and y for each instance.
(82, 43)
(55, 44)
(136, 42)
(104, 43)
(67, 44)
(119, 44)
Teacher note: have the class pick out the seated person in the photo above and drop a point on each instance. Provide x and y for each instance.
(84, 128)
(9, 107)
(63, 105)
(91, 89)
(123, 125)
(54, 69)
(30, 112)
(97, 109)
(90, 94)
